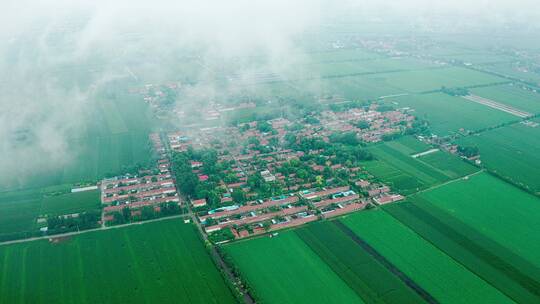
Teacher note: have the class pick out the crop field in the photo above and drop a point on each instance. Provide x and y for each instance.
(396, 167)
(418, 81)
(452, 166)
(20, 210)
(481, 58)
(383, 65)
(320, 263)
(341, 55)
(421, 261)
(368, 277)
(284, 269)
(408, 145)
(511, 95)
(511, 274)
(490, 232)
(511, 152)
(448, 114)
(357, 87)
(494, 211)
(161, 262)
(511, 70)
(114, 138)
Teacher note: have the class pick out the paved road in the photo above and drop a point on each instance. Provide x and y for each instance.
(90, 230)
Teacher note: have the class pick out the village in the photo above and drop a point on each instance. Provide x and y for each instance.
(260, 176)
(263, 176)
(143, 196)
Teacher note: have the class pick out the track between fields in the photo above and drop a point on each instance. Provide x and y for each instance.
(101, 228)
(387, 264)
(449, 182)
(498, 106)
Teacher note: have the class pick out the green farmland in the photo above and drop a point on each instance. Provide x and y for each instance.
(491, 232)
(20, 209)
(493, 211)
(511, 152)
(421, 261)
(361, 271)
(448, 114)
(162, 262)
(114, 138)
(374, 66)
(511, 95)
(397, 167)
(418, 81)
(510, 69)
(285, 270)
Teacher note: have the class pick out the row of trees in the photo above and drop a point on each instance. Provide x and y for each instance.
(85, 220)
(146, 213)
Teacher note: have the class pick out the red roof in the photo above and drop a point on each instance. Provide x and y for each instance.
(199, 202)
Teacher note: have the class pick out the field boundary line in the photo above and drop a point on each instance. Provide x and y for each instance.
(387, 264)
(498, 106)
(449, 182)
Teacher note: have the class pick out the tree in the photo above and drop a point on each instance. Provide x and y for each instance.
(264, 126)
(238, 196)
(469, 151)
(362, 124)
(126, 214)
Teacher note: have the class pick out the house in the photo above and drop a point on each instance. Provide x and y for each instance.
(198, 203)
(196, 164)
(362, 183)
(388, 198)
(267, 176)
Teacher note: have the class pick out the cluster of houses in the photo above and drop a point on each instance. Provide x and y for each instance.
(150, 188)
(294, 209)
(250, 150)
(162, 97)
(377, 123)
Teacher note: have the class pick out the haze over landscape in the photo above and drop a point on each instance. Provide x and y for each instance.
(276, 151)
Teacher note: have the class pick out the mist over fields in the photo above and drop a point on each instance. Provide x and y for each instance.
(57, 57)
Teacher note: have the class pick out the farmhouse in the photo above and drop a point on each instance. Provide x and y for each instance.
(198, 203)
(388, 198)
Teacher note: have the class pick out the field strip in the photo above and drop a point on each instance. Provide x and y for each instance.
(132, 74)
(395, 95)
(387, 264)
(425, 153)
(91, 230)
(498, 106)
(450, 181)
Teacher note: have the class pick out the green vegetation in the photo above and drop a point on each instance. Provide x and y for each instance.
(361, 271)
(113, 141)
(433, 79)
(511, 152)
(21, 209)
(421, 261)
(511, 69)
(452, 166)
(499, 210)
(283, 269)
(448, 114)
(455, 91)
(408, 174)
(511, 95)
(486, 225)
(408, 145)
(163, 262)
(508, 272)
